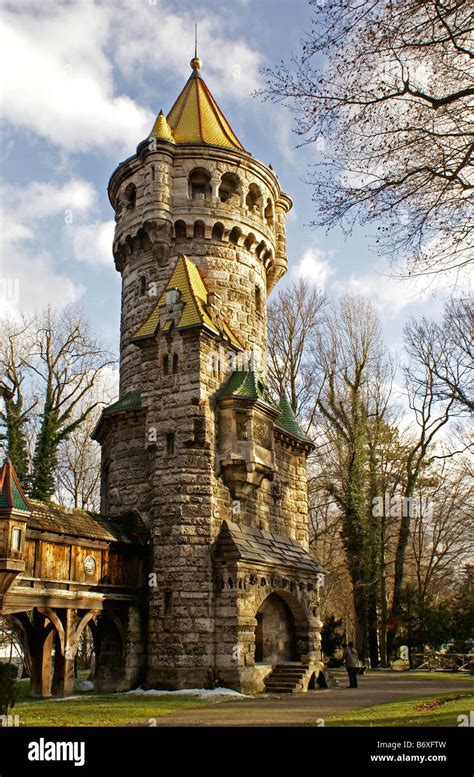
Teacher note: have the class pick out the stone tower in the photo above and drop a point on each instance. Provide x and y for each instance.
(214, 465)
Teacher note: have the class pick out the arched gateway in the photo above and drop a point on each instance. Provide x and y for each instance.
(275, 633)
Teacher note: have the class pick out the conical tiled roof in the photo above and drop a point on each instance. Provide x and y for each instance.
(288, 422)
(196, 118)
(11, 492)
(161, 128)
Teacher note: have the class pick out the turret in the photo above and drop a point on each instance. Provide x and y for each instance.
(14, 512)
(193, 189)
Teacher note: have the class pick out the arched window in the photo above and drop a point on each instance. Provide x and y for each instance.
(261, 247)
(218, 231)
(199, 184)
(254, 199)
(249, 241)
(229, 188)
(234, 235)
(130, 196)
(199, 229)
(166, 364)
(180, 230)
(142, 286)
(175, 363)
(269, 213)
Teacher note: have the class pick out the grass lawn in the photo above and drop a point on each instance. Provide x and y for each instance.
(451, 677)
(93, 709)
(441, 710)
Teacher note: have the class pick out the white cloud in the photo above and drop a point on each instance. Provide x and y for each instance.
(391, 295)
(60, 57)
(29, 282)
(40, 200)
(314, 267)
(29, 277)
(60, 83)
(153, 31)
(92, 243)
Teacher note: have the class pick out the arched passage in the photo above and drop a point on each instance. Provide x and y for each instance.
(275, 633)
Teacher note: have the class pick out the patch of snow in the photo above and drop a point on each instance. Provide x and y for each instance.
(84, 685)
(201, 693)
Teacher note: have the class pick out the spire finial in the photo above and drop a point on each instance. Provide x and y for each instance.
(195, 62)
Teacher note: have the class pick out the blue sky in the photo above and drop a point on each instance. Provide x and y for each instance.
(84, 81)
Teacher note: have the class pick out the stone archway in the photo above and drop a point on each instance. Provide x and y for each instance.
(275, 633)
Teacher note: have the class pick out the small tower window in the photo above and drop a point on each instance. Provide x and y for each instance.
(180, 230)
(258, 299)
(200, 184)
(235, 235)
(153, 172)
(229, 188)
(175, 363)
(168, 602)
(269, 213)
(218, 231)
(166, 365)
(142, 286)
(254, 199)
(16, 539)
(130, 196)
(170, 443)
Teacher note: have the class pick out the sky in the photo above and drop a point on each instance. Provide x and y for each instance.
(83, 82)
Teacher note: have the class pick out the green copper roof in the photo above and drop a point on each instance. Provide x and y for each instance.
(287, 421)
(130, 400)
(245, 384)
(11, 493)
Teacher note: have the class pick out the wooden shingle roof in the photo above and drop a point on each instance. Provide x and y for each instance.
(127, 528)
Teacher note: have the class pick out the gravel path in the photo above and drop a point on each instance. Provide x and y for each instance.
(300, 709)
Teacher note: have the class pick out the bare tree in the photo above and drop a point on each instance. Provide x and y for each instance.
(17, 415)
(357, 377)
(442, 540)
(385, 88)
(66, 360)
(293, 320)
(431, 414)
(445, 349)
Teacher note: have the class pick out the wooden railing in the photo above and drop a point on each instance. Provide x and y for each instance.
(443, 662)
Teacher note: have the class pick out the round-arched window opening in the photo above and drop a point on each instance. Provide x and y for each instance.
(254, 199)
(229, 188)
(130, 196)
(199, 184)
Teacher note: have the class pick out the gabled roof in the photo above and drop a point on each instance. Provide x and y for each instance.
(289, 423)
(126, 528)
(245, 384)
(246, 543)
(196, 311)
(196, 118)
(11, 492)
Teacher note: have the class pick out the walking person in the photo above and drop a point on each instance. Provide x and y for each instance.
(350, 660)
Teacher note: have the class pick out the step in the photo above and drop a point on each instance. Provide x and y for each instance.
(282, 688)
(287, 673)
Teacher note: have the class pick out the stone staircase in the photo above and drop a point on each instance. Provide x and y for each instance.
(287, 678)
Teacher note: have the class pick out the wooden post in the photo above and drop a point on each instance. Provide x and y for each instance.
(63, 680)
(41, 653)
